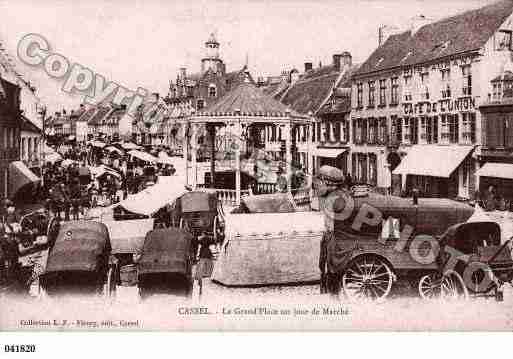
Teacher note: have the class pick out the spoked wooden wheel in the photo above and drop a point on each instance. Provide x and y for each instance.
(450, 286)
(453, 287)
(110, 285)
(430, 286)
(367, 278)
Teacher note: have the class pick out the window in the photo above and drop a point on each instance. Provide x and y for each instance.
(373, 169)
(497, 91)
(429, 129)
(453, 128)
(382, 130)
(446, 74)
(373, 131)
(468, 130)
(359, 95)
(503, 40)
(424, 78)
(446, 91)
(212, 91)
(200, 104)
(467, 80)
(382, 92)
(407, 89)
(394, 91)
(424, 94)
(396, 131)
(372, 93)
(411, 130)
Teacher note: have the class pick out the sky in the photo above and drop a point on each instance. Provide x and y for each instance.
(143, 43)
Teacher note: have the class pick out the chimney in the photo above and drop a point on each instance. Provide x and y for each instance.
(418, 22)
(294, 76)
(346, 59)
(308, 66)
(156, 96)
(336, 61)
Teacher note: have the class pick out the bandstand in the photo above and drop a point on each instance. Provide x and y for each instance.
(247, 132)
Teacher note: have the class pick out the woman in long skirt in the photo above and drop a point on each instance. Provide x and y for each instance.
(205, 264)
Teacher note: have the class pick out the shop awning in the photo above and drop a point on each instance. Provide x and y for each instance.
(130, 146)
(98, 144)
(497, 170)
(329, 152)
(149, 201)
(144, 156)
(20, 176)
(433, 160)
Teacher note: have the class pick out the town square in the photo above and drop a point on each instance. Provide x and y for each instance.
(237, 173)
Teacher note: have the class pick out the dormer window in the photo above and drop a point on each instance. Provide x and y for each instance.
(442, 46)
(406, 56)
(212, 90)
(379, 61)
(503, 40)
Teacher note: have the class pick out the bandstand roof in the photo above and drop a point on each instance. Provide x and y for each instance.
(247, 100)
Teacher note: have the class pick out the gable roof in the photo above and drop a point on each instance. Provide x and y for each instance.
(310, 92)
(250, 101)
(29, 126)
(464, 32)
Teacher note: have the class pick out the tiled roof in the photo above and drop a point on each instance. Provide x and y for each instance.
(29, 126)
(86, 116)
(97, 118)
(250, 101)
(505, 76)
(464, 32)
(314, 87)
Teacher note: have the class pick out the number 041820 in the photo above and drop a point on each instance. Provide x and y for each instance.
(23, 348)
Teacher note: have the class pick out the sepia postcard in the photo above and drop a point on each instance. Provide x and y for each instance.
(288, 165)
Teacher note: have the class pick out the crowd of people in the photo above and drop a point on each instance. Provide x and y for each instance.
(95, 177)
(83, 177)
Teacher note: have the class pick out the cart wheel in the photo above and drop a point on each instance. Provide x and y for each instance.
(215, 229)
(429, 287)
(452, 286)
(367, 277)
(109, 286)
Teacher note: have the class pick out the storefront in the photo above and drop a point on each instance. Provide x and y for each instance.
(437, 171)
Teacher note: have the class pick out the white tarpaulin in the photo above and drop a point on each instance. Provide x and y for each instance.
(52, 157)
(130, 146)
(102, 169)
(98, 144)
(67, 162)
(496, 170)
(114, 149)
(262, 224)
(128, 236)
(329, 152)
(142, 156)
(147, 202)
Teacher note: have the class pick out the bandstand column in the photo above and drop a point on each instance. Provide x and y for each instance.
(186, 152)
(238, 132)
(288, 154)
(194, 153)
(212, 135)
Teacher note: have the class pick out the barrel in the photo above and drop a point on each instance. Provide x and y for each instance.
(128, 275)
